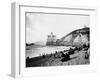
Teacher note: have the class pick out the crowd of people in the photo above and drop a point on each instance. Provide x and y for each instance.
(65, 54)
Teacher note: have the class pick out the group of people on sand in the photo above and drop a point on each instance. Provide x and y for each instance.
(65, 55)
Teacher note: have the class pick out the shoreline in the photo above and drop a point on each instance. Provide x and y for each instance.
(76, 56)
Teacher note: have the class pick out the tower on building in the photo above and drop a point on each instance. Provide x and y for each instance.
(51, 39)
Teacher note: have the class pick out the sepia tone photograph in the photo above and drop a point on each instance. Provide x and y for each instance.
(57, 39)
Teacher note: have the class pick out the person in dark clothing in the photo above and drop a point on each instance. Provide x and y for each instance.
(66, 57)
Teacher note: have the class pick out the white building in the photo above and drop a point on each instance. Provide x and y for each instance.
(51, 39)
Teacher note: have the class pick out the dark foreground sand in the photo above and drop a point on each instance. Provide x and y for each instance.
(78, 57)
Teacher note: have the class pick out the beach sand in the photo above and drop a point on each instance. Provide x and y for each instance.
(78, 58)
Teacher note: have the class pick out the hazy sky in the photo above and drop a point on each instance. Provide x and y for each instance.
(38, 25)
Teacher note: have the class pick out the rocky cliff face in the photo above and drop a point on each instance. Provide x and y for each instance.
(76, 37)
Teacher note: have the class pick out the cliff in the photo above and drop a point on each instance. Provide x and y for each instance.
(76, 37)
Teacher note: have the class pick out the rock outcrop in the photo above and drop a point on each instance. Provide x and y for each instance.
(76, 37)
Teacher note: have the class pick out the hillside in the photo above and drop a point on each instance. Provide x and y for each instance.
(78, 36)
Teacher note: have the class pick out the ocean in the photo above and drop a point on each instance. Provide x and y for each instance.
(38, 51)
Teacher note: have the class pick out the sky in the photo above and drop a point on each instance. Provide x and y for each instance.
(39, 25)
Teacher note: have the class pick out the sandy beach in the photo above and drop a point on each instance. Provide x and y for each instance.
(67, 57)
